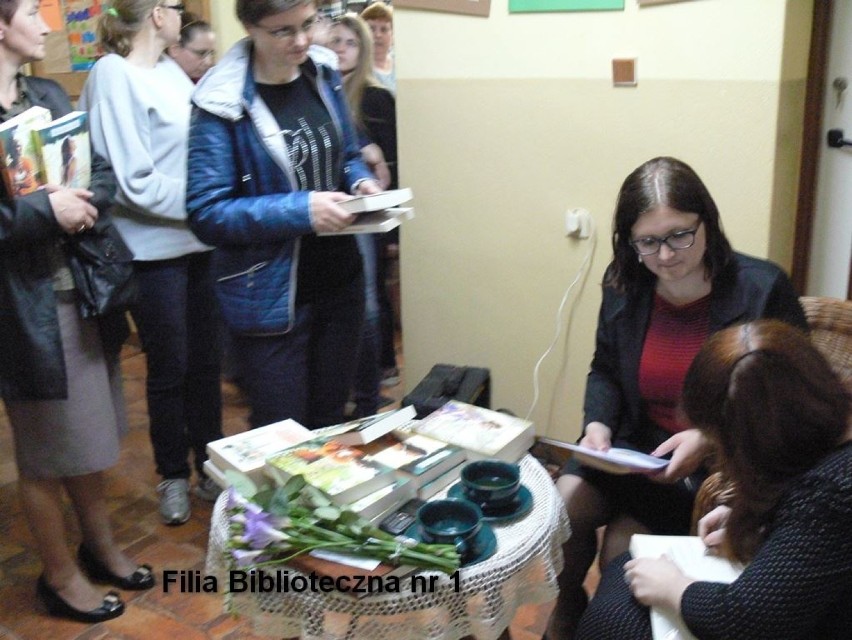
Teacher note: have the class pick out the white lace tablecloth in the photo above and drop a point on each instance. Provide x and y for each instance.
(522, 571)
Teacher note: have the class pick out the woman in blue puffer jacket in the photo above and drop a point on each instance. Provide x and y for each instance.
(272, 153)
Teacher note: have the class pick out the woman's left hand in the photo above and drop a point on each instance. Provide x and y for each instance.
(656, 582)
(690, 448)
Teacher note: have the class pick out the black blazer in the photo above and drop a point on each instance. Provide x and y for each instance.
(747, 289)
(32, 365)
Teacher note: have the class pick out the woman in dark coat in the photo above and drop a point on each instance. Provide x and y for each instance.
(59, 374)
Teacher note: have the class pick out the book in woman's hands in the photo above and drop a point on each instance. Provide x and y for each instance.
(377, 201)
(64, 151)
(690, 555)
(613, 460)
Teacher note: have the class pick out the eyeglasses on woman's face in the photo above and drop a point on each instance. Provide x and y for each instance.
(677, 241)
(289, 33)
(180, 8)
(201, 53)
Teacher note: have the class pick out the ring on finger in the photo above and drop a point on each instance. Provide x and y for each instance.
(82, 228)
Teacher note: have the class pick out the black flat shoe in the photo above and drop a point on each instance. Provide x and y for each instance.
(139, 580)
(110, 608)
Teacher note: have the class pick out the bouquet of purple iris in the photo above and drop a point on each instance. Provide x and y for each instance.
(270, 526)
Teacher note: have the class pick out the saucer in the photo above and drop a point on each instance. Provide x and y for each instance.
(519, 507)
(485, 541)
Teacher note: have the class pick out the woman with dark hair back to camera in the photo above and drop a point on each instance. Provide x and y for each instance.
(778, 419)
(272, 154)
(60, 376)
(673, 281)
(138, 103)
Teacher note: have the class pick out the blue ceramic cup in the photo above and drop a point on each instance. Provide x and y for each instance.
(451, 521)
(491, 484)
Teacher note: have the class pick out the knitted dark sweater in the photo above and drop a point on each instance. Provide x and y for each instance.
(799, 585)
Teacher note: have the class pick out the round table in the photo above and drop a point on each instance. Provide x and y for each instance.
(523, 570)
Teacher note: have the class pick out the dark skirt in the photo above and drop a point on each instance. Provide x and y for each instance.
(82, 434)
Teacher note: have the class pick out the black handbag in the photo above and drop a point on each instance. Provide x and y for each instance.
(446, 382)
(102, 267)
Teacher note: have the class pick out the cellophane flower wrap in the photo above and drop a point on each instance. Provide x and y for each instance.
(271, 525)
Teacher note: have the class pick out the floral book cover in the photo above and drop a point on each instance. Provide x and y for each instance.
(478, 430)
(344, 473)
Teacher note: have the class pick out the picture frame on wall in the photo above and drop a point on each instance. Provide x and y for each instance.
(542, 6)
(468, 7)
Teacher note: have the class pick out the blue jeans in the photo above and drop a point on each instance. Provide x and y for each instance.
(305, 374)
(178, 322)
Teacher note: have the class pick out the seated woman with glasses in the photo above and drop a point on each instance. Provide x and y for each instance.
(673, 281)
(195, 50)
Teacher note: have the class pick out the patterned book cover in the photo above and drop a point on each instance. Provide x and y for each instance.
(64, 152)
(20, 159)
(483, 433)
(342, 472)
(247, 451)
(414, 456)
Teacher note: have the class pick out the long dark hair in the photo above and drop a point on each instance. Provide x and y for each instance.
(662, 182)
(773, 406)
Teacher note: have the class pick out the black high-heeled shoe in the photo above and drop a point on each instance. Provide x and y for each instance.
(139, 580)
(110, 608)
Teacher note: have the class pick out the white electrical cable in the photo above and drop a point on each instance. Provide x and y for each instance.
(593, 239)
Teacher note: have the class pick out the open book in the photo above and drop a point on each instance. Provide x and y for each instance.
(690, 555)
(614, 460)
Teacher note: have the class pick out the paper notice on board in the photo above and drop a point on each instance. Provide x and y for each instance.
(81, 22)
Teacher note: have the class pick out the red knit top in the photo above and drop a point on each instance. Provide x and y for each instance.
(675, 334)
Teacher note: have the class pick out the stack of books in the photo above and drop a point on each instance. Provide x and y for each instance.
(377, 213)
(36, 150)
(482, 433)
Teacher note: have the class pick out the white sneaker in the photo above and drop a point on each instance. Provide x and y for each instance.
(174, 500)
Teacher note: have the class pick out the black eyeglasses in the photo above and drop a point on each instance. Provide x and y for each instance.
(180, 8)
(676, 241)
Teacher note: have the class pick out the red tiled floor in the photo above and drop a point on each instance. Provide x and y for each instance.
(133, 507)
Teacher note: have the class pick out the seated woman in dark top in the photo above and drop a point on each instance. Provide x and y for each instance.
(673, 281)
(778, 418)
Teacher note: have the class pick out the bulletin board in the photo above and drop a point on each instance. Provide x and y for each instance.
(72, 46)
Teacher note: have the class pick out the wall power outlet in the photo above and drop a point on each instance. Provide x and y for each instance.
(578, 223)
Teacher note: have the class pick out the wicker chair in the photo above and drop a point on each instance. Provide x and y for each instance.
(830, 322)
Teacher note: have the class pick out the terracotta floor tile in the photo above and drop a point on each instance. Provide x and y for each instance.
(132, 500)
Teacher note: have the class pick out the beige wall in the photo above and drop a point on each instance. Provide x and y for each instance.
(506, 122)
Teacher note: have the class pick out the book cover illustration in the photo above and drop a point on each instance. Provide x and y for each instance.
(420, 457)
(64, 151)
(20, 157)
(341, 471)
(476, 429)
(247, 451)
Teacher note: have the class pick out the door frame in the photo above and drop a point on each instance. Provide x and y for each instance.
(811, 142)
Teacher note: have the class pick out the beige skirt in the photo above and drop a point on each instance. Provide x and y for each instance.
(80, 435)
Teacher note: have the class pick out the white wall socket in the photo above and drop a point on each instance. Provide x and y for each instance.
(578, 223)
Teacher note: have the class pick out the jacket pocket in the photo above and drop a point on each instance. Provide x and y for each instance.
(248, 301)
